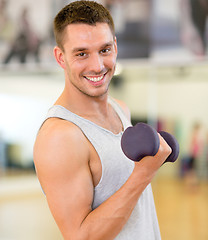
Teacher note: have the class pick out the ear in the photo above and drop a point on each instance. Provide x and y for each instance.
(59, 56)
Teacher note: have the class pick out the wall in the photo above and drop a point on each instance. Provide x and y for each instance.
(177, 92)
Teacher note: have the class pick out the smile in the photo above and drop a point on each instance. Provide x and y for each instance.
(95, 79)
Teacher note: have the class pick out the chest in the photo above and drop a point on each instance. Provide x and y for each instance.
(109, 121)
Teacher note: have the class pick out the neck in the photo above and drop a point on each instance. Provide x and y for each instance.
(84, 105)
(95, 109)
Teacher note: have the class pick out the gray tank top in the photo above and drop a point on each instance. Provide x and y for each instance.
(116, 169)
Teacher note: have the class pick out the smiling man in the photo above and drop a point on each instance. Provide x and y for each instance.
(93, 190)
(89, 57)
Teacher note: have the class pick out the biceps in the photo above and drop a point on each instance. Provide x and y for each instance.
(70, 201)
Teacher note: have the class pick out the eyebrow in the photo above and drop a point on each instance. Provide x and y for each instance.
(81, 49)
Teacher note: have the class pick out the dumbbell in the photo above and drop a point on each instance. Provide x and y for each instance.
(142, 140)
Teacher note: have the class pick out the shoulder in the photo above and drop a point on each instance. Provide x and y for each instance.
(124, 107)
(60, 144)
(58, 127)
(56, 130)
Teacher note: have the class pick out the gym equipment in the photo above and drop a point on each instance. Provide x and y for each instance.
(142, 140)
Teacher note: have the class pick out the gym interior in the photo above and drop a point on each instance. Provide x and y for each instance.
(158, 75)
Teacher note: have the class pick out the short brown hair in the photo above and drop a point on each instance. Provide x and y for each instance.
(89, 12)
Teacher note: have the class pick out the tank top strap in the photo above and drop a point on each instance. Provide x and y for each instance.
(59, 111)
(125, 121)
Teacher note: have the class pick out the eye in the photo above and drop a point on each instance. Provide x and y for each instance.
(106, 50)
(82, 54)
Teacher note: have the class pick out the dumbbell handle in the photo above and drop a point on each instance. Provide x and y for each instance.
(143, 140)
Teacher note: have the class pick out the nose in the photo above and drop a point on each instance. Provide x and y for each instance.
(96, 64)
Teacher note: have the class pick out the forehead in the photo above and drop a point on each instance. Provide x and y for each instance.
(81, 35)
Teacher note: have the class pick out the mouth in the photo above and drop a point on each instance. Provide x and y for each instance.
(96, 79)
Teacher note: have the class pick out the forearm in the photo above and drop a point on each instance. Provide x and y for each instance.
(106, 221)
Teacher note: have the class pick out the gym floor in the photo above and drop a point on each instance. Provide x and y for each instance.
(24, 215)
(182, 208)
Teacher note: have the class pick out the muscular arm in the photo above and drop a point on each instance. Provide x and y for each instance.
(61, 156)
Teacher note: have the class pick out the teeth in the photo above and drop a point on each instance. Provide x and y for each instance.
(95, 79)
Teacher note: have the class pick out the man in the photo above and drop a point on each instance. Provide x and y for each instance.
(93, 190)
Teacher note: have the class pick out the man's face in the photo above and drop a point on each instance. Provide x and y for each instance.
(90, 57)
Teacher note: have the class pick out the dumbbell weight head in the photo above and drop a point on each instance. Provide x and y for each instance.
(142, 140)
(172, 142)
(139, 141)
